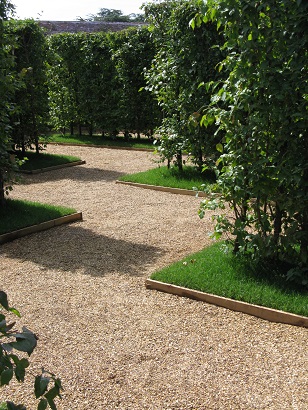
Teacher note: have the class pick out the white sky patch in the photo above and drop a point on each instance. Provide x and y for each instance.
(70, 10)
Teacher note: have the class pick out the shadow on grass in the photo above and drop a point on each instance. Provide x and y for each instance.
(70, 248)
(273, 274)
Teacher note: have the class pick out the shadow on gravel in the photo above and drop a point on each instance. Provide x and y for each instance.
(71, 247)
(77, 173)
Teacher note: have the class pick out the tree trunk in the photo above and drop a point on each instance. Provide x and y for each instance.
(2, 198)
(304, 238)
(37, 145)
(179, 160)
(23, 146)
(277, 224)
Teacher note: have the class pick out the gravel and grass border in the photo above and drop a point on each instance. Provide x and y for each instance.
(261, 312)
(19, 233)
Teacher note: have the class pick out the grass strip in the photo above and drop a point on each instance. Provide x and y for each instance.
(103, 141)
(189, 178)
(18, 214)
(215, 271)
(43, 160)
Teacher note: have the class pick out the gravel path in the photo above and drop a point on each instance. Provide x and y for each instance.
(116, 345)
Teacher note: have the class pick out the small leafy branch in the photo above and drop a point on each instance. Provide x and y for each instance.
(11, 365)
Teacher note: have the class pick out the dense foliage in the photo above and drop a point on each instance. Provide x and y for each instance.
(133, 51)
(82, 82)
(7, 88)
(184, 59)
(28, 46)
(260, 111)
(94, 81)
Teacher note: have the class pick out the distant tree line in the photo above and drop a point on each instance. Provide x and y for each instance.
(113, 15)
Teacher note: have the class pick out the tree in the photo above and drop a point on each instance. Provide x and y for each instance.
(7, 88)
(261, 111)
(113, 15)
(31, 100)
(133, 51)
(83, 82)
(184, 59)
(94, 81)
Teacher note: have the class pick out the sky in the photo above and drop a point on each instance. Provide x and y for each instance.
(70, 10)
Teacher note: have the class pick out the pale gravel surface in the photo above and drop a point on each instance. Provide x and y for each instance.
(116, 345)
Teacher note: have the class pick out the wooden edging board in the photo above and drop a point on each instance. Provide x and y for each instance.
(178, 191)
(101, 146)
(271, 315)
(39, 171)
(7, 237)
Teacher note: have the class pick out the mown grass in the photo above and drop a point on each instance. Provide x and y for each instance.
(107, 141)
(221, 273)
(44, 160)
(18, 214)
(189, 178)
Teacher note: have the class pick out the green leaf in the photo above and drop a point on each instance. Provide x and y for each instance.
(40, 385)
(15, 311)
(3, 406)
(42, 404)
(201, 85)
(25, 342)
(213, 13)
(20, 369)
(220, 148)
(12, 406)
(6, 376)
(192, 23)
(3, 300)
(51, 395)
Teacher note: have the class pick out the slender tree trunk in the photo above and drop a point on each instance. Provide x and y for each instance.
(37, 145)
(179, 160)
(2, 198)
(23, 146)
(200, 159)
(304, 238)
(277, 223)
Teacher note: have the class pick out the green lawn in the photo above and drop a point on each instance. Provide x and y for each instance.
(119, 141)
(19, 214)
(214, 271)
(44, 160)
(189, 178)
